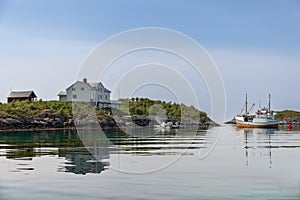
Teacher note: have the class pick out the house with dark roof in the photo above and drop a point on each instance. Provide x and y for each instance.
(88, 92)
(21, 96)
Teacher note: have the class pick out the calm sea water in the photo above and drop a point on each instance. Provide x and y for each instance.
(147, 164)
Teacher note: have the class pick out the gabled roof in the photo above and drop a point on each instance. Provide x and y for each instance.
(21, 94)
(106, 90)
(78, 82)
(92, 85)
(95, 84)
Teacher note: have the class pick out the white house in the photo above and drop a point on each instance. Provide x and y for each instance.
(89, 92)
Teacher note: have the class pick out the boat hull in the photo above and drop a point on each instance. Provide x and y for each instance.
(254, 125)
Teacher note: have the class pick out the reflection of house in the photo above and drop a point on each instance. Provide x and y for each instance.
(84, 164)
(21, 96)
(89, 92)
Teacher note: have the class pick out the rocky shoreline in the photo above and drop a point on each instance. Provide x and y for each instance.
(46, 121)
(58, 115)
(51, 121)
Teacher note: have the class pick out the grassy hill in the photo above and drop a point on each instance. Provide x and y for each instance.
(48, 115)
(137, 107)
(26, 108)
(288, 115)
(144, 107)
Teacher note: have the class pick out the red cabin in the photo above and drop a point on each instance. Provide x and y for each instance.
(21, 96)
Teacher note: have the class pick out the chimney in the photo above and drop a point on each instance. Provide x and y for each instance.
(85, 80)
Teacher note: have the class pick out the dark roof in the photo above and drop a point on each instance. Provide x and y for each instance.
(106, 90)
(21, 94)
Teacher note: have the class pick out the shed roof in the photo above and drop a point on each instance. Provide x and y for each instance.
(62, 93)
(21, 94)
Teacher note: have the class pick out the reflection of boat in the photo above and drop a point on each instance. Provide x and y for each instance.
(264, 118)
(258, 131)
(166, 126)
(163, 127)
(264, 141)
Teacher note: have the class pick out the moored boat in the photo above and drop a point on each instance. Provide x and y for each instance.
(264, 118)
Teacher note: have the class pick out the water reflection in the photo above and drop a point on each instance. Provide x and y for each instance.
(94, 156)
(140, 150)
(80, 162)
(258, 138)
(22, 147)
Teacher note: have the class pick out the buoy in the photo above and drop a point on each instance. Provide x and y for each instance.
(289, 127)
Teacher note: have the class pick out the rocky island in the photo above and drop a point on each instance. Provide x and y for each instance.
(48, 115)
(55, 115)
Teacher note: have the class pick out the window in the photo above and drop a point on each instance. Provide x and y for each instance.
(82, 89)
(74, 96)
(73, 89)
(100, 96)
(105, 96)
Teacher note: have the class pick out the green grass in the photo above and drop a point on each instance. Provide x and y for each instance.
(288, 115)
(145, 107)
(26, 108)
(133, 107)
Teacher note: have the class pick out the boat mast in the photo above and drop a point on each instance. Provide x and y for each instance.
(269, 102)
(246, 104)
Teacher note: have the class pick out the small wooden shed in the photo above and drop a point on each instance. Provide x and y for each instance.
(21, 96)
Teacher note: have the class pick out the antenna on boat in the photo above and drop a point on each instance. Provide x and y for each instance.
(246, 147)
(270, 147)
(269, 102)
(246, 104)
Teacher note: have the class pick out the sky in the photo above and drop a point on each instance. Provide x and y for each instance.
(255, 44)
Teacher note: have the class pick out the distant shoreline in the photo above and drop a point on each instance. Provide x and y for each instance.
(285, 117)
(37, 129)
(51, 129)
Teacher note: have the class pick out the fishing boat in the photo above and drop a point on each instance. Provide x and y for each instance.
(264, 118)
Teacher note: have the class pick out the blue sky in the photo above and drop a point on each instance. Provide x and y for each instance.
(255, 44)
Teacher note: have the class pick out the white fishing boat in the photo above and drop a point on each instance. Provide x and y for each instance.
(264, 118)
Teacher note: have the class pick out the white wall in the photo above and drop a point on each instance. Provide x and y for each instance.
(101, 95)
(79, 92)
(87, 94)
